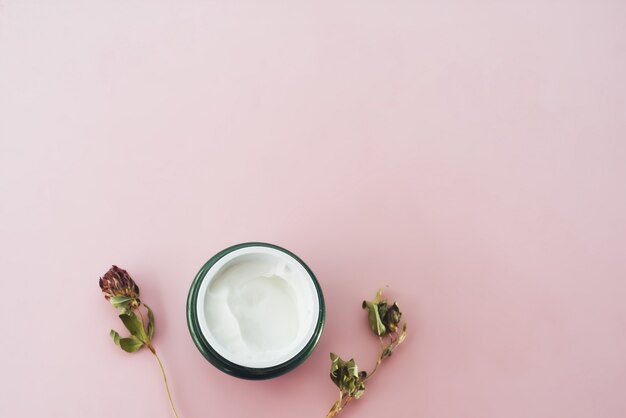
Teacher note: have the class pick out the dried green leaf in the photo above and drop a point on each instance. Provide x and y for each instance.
(379, 296)
(357, 389)
(134, 325)
(345, 374)
(382, 310)
(131, 344)
(121, 302)
(373, 317)
(150, 322)
(352, 369)
(335, 364)
(115, 336)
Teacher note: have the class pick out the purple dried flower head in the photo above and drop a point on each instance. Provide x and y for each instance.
(120, 289)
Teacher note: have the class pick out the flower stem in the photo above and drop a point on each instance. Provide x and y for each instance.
(167, 388)
(336, 407)
(339, 405)
(378, 362)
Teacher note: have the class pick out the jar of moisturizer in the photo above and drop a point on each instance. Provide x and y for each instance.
(255, 310)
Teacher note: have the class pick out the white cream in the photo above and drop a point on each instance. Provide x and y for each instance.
(257, 307)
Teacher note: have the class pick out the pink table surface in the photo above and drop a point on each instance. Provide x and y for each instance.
(472, 157)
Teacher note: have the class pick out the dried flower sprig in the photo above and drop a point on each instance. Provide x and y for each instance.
(385, 322)
(123, 293)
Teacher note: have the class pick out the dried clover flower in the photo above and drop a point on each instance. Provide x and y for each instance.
(120, 289)
(123, 293)
(385, 322)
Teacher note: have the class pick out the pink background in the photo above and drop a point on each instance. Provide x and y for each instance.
(471, 157)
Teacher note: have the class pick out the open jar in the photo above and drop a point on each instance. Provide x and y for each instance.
(255, 310)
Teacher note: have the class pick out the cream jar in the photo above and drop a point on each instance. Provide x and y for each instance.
(255, 310)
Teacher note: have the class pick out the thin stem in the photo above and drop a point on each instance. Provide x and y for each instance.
(393, 344)
(346, 401)
(336, 408)
(378, 362)
(167, 388)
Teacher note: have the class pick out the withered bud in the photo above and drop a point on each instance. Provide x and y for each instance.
(120, 289)
(391, 317)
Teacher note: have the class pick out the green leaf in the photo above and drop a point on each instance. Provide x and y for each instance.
(382, 311)
(352, 368)
(134, 325)
(115, 336)
(345, 374)
(335, 364)
(121, 301)
(356, 388)
(373, 317)
(376, 310)
(130, 345)
(379, 296)
(150, 322)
